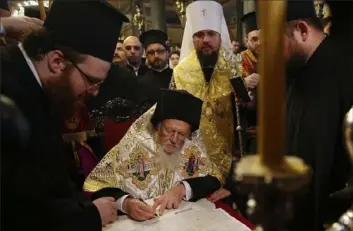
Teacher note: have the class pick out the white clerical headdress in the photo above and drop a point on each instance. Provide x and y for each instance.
(204, 15)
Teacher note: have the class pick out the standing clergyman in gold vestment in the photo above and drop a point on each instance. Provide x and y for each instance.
(160, 156)
(204, 72)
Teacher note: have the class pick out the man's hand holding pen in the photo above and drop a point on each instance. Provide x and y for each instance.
(138, 209)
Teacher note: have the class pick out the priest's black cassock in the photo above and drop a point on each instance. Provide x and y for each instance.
(143, 69)
(318, 99)
(36, 192)
(319, 94)
(121, 82)
(154, 80)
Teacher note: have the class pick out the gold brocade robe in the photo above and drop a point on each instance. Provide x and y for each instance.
(135, 166)
(249, 62)
(216, 125)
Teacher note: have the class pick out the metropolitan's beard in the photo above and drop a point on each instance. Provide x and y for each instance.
(61, 97)
(158, 64)
(207, 60)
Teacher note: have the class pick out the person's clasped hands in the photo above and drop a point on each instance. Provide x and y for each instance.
(138, 210)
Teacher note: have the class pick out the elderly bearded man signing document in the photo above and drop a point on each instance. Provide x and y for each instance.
(204, 73)
(160, 156)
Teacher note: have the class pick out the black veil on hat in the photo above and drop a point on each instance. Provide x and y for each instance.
(89, 27)
(250, 22)
(299, 9)
(179, 105)
(153, 36)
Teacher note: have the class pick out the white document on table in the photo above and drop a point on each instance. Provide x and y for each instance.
(190, 216)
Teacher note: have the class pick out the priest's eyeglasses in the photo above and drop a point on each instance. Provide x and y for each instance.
(153, 52)
(93, 84)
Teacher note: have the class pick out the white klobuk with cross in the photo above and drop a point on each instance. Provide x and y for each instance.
(204, 15)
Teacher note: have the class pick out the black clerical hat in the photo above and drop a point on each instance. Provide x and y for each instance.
(90, 27)
(153, 36)
(250, 22)
(179, 105)
(300, 9)
(33, 11)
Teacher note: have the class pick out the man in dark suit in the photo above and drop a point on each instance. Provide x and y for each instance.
(47, 76)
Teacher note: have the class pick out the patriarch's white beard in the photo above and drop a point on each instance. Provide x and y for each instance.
(169, 160)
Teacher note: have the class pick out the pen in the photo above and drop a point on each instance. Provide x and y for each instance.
(143, 201)
(156, 214)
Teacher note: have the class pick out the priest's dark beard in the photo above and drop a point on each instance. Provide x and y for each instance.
(158, 64)
(61, 98)
(295, 63)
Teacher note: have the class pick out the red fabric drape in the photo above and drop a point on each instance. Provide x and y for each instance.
(115, 131)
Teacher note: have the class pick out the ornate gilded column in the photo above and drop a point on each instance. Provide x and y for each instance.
(158, 15)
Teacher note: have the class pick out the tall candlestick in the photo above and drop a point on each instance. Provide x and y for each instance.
(271, 111)
(271, 178)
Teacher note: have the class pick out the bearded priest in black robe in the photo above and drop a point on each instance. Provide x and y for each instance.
(49, 76)
(319, 94)
(157, 59)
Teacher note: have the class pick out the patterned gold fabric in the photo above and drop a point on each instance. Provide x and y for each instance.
(216, 125)
(135, 166)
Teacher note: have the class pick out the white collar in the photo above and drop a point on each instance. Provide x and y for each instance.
(30, 64)
(133, 67)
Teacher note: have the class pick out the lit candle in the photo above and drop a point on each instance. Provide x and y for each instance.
(271, 98)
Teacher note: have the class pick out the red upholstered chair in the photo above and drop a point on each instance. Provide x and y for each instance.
(115, 131)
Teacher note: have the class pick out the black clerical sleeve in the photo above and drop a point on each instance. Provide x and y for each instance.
(108, 192)
(203, 186)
